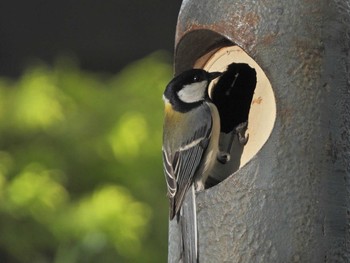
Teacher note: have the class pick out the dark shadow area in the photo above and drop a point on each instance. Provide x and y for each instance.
(195, 45)
(232, 95)
(101, 35)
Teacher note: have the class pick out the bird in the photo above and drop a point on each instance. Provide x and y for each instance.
(191, 131)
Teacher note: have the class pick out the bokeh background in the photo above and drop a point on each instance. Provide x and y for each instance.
(81, 114)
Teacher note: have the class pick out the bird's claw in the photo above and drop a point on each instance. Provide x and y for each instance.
(240, 131)
(223, 157)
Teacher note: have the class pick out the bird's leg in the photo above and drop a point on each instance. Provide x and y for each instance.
(240, 130)
(224, 156)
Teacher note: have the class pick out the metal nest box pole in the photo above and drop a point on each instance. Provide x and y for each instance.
(286, 197)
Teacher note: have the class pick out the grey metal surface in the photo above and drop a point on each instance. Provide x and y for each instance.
(291, 202)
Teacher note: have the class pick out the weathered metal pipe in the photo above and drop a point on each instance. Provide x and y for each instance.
(291, 201)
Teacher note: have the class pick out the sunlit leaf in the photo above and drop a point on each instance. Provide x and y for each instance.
(37, 103)
(110, 213)
(34, 191)
(80, 166)
(128, 135)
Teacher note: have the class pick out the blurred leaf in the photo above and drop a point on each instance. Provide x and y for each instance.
(35, 192)
(128, 135)
(109, 215)
(80, 167)
(36, 103)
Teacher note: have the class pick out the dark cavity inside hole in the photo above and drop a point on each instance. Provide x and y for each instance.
(233, 94)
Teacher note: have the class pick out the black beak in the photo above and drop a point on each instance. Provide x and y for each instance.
(214, 75)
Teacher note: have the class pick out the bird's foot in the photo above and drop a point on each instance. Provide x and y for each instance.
(223, 157)
(240, 131)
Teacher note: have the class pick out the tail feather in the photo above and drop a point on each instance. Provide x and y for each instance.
(187, 221)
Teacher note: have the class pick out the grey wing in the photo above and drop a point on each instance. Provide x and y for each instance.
(181, 165)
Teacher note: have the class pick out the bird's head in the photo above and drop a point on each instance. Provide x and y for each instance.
(189, 88)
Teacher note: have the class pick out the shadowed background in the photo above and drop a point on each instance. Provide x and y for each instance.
(80, 130)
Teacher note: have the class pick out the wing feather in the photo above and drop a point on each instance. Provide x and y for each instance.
(182, 162)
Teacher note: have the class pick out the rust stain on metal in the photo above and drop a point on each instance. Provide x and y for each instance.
(239, 27)
(251, 19)
(309, 55)
(286, 114)
(268, 39)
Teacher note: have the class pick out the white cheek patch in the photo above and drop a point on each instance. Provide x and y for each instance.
(193, 92)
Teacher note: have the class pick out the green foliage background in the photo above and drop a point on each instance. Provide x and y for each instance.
(80, 166)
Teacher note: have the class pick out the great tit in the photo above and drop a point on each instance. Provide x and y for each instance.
(190, 134)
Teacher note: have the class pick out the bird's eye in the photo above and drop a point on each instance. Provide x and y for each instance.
(195, 78)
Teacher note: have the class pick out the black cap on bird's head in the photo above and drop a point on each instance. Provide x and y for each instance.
(189, 89)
